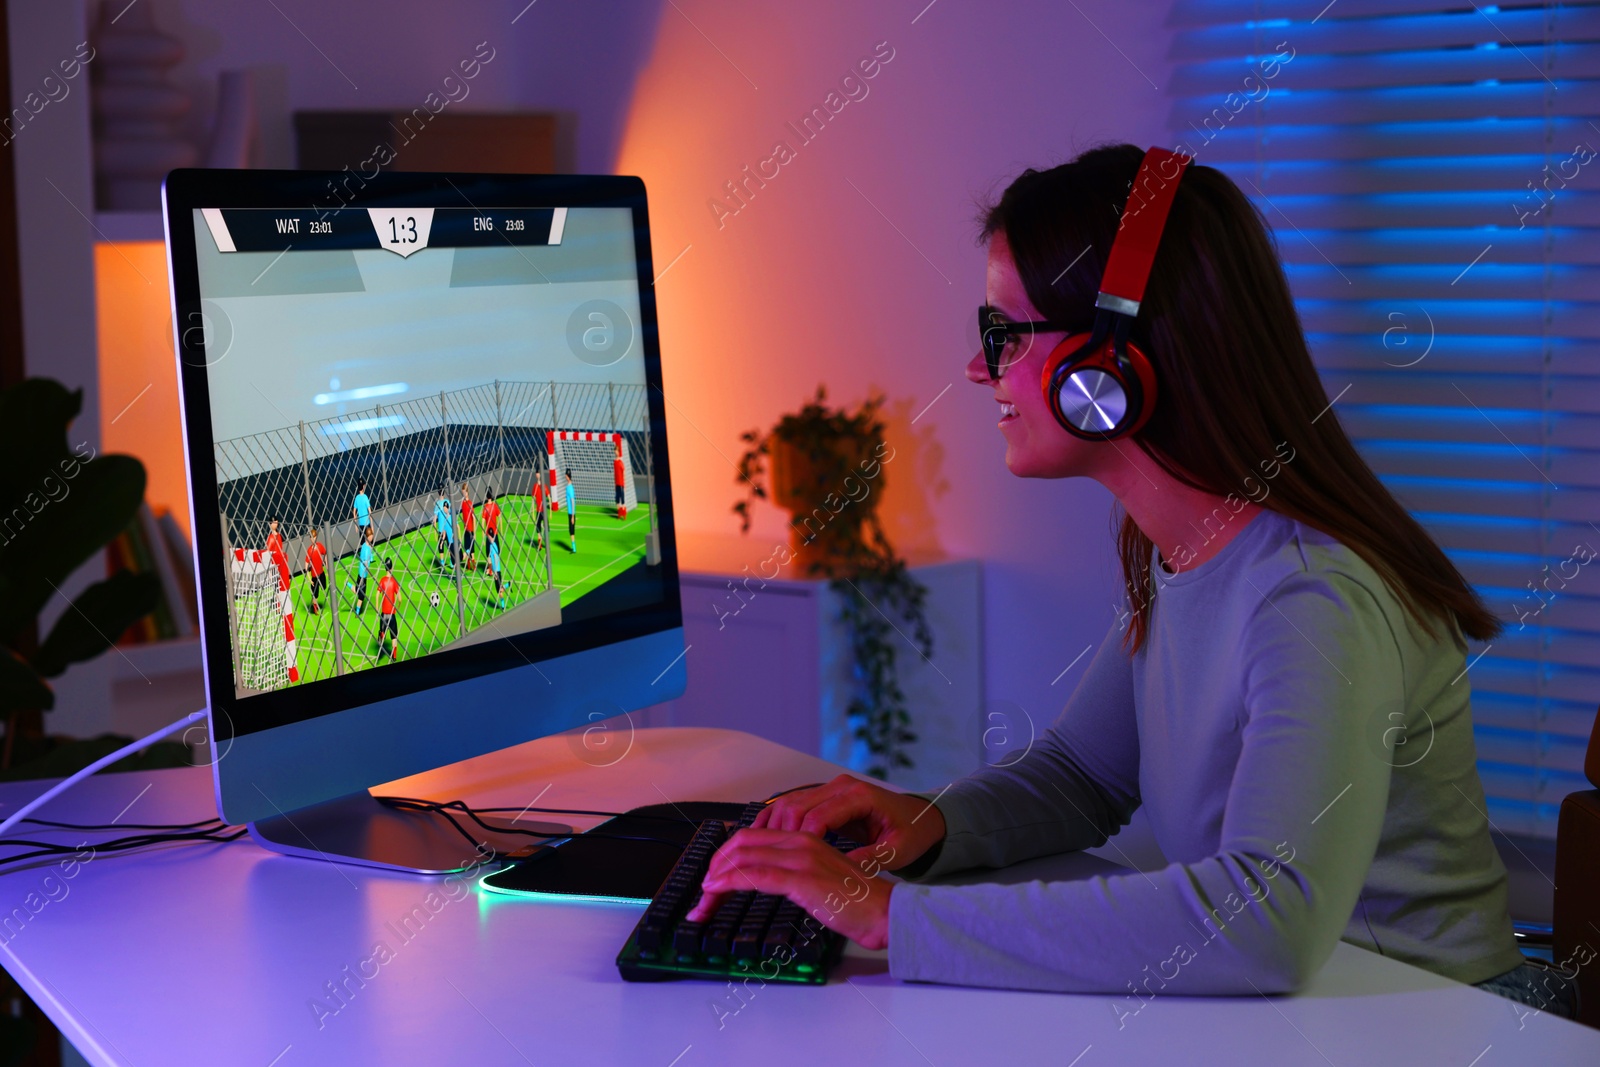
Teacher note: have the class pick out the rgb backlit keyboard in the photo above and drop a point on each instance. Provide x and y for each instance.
(749, 934)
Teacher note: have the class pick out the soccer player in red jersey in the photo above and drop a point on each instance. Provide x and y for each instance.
(491, 519)
(468, 523)
(316, 564)
(389, 592)
(617, 476)
(275, 550)
(283, 600)
(538, 508)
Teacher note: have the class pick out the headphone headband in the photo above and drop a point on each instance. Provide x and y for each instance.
(1099, 385)
(1139, 233)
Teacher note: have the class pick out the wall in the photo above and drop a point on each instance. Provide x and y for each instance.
(306, 55)
(579, 59)
(138, 373)
(55, 199)
(857, 266)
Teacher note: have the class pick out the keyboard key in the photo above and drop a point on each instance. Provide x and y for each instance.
(747, 943)
(650, 936)
(686, 940)
(810, 951)
(718, 941)
(777, 937)
(730, 913)
(736, 901)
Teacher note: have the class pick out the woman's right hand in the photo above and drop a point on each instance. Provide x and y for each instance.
(894, 829)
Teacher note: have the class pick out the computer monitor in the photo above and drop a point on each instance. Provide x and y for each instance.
(364, 362)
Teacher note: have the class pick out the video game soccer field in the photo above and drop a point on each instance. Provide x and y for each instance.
(607, 546)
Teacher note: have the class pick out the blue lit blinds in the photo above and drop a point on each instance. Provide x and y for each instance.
(1430, 172)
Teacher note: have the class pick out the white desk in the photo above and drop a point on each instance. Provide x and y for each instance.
(213, 955)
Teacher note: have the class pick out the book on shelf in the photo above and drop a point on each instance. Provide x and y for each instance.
(182, 563)
(147, 547)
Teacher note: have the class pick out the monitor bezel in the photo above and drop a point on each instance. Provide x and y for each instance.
(186, 190)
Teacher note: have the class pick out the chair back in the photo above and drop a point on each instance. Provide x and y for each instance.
(1591, 761)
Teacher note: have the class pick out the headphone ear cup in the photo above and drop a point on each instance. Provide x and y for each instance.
(1095, 395)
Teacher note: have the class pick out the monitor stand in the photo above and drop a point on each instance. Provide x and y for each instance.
(357, 829)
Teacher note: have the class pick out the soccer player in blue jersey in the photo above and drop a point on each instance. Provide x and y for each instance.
(364, 558)
(494, 565)
(446, 529)
(572, 513)
(361, 508)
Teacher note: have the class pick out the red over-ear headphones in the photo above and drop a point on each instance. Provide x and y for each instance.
(1099, 385)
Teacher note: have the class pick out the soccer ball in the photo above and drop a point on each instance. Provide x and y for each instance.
(433, 598)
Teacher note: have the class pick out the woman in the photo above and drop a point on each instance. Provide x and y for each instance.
(1283, 692)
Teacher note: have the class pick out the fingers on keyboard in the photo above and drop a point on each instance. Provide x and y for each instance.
(732, 932)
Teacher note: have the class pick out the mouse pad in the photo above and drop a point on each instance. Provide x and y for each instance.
(606, 868)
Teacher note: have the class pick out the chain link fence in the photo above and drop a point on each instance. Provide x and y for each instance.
(411, 460)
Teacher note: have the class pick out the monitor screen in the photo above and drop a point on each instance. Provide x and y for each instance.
(429, 438)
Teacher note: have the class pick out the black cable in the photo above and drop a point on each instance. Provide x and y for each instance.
(602, 814)
(127, 825)
(416, 801)
(408, 803)
(549, 811)
(123, 844)
(579, 811)
(131, 841)
(214, 829)
(439, 809)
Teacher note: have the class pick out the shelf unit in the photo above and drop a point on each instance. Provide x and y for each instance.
(120, 226)
(129, 690)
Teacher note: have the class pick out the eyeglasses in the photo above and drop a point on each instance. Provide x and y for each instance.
(995, 332)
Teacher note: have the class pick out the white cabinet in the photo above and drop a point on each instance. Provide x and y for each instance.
(770, 657)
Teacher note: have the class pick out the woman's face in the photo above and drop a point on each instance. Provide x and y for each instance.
(1036, 445)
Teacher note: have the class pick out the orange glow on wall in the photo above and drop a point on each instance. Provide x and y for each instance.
(770, 286)
(139, 413)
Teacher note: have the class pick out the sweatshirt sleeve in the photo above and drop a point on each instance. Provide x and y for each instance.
(1304, 812)
(1075, 784)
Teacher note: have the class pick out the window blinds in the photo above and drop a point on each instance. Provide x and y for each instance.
(1431, 172)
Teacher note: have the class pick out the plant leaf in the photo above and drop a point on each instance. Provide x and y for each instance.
(44, 539)
(34, 417)
(96, 619)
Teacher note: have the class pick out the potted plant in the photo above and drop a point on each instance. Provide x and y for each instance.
(825, 467)
(58, 507)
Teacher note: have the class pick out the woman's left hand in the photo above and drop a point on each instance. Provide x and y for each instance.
(842, 894)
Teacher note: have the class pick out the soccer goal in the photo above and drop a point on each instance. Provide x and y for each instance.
(264, 621)
(599, 464)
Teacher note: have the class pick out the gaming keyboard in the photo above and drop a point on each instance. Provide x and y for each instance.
(749, 934)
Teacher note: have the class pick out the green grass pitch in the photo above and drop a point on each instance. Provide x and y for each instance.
(607, 546)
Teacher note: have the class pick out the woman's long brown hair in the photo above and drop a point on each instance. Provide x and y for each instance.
(1235, 375)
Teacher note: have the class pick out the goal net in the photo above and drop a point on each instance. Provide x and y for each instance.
(264, 617)
(599, 463)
